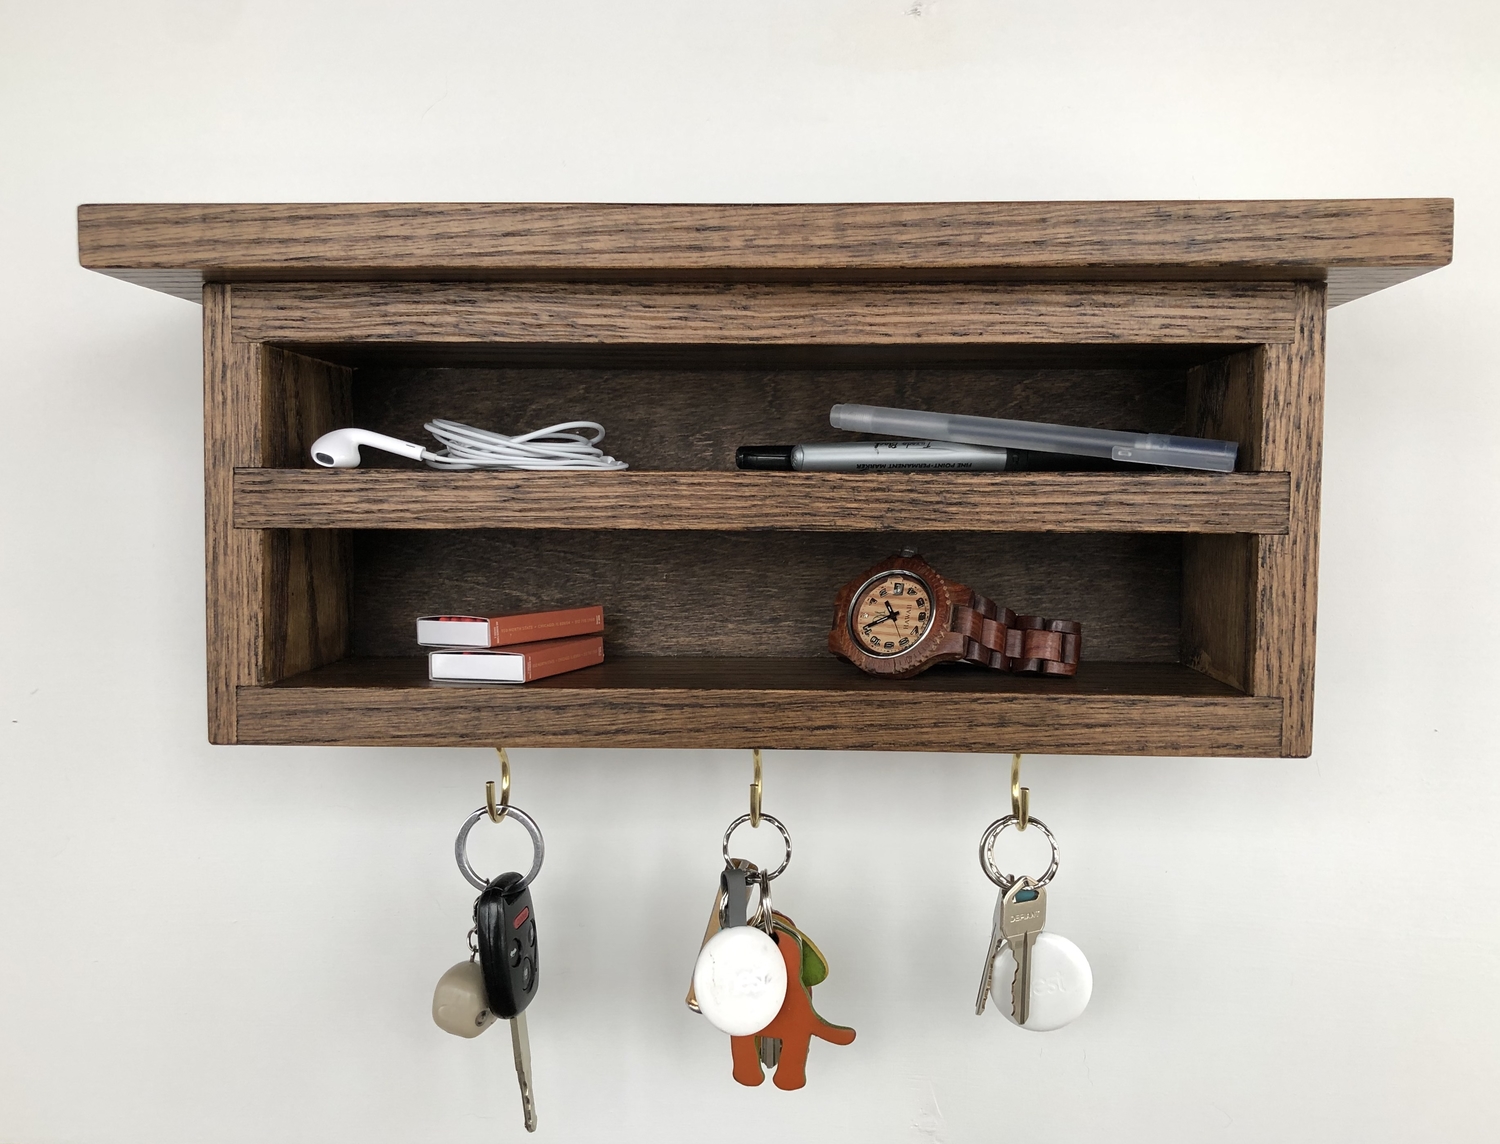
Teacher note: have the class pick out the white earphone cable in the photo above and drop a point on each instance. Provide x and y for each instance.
(560, 446)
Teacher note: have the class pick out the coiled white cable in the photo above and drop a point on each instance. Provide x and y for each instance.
(560, 446)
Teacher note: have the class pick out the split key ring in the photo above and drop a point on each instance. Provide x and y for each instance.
(987, 852)
(461, 846)
(786, 839)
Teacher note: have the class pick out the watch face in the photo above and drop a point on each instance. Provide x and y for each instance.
(892, 611)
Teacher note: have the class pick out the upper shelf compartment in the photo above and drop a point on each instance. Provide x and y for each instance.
(1356, 246)
(677, 413)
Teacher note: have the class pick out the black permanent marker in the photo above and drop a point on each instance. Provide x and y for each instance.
(904, 457)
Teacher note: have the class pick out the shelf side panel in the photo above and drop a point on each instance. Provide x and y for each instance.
(1291, 381)
(236, 558)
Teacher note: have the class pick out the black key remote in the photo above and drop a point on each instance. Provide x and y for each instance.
(507, 944)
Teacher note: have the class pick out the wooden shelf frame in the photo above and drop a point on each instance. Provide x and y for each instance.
(297, 297)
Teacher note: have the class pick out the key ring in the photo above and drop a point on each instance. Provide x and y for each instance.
(461, 846)
(987, 853)
(765, 915)
(776, 822)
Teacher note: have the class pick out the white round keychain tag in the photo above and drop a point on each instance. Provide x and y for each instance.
(740, 980)
(1061, 983)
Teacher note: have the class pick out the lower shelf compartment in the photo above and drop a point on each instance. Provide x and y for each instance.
(682, 702)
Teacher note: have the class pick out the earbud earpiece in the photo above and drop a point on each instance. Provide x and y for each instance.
(340, 449)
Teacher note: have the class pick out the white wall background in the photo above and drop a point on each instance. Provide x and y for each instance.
(239, 944)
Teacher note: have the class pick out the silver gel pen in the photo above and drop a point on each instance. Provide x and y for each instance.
(902, 457)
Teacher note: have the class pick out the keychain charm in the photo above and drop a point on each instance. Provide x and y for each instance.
(755, 972)
(739, 979)
(500, 978)
(1049, 980)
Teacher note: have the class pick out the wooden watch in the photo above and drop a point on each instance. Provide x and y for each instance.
(901, 617)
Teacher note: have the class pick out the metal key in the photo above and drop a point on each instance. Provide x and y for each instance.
(520, 1045)
(731, 907)
(1023, 915)
(505, 934)
(997, 940)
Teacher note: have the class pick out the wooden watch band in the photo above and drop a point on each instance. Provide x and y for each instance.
(996, 637)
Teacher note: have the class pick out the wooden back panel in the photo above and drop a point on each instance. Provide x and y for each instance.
(766, 594)
(692, 417)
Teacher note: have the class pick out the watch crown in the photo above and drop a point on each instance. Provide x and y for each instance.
(908, 553)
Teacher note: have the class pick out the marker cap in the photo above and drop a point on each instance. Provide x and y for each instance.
(777, 458)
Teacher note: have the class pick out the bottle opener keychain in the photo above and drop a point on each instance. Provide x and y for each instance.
(754, 975)
(499, 980)
(1050, 979)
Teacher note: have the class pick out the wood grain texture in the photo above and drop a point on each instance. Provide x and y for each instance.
(1224, 404)
(1345, 284)
(236, 558)
(758, 313)
(658, 359)
(1116, 709)
(1246, 239)
(755, 594)
(693, 415)
(1205, 584)
(306, 574)
(1224, 401)
(305, 600)
(1218, 606)
(1286, 586)
(302, 398)
(748, 501)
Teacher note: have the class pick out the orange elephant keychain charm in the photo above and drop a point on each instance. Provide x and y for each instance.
(755, 971)
(792, 1029)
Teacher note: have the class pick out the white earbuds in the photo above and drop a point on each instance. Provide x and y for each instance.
(560, 446)
(340, 449)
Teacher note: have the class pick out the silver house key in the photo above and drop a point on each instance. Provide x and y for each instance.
(997, 943)
(1023, 915)
(1020, 914)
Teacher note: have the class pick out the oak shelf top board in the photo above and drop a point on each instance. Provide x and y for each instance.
(1357, 246)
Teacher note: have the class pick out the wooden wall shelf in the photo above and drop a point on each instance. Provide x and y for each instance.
(688, 330)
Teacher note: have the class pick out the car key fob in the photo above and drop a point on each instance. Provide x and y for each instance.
(506, 938)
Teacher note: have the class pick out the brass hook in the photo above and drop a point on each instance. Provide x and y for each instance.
(755, 790)
(497, 813)
(1020, 797)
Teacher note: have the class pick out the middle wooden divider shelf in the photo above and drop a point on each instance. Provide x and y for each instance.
(817, 502)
